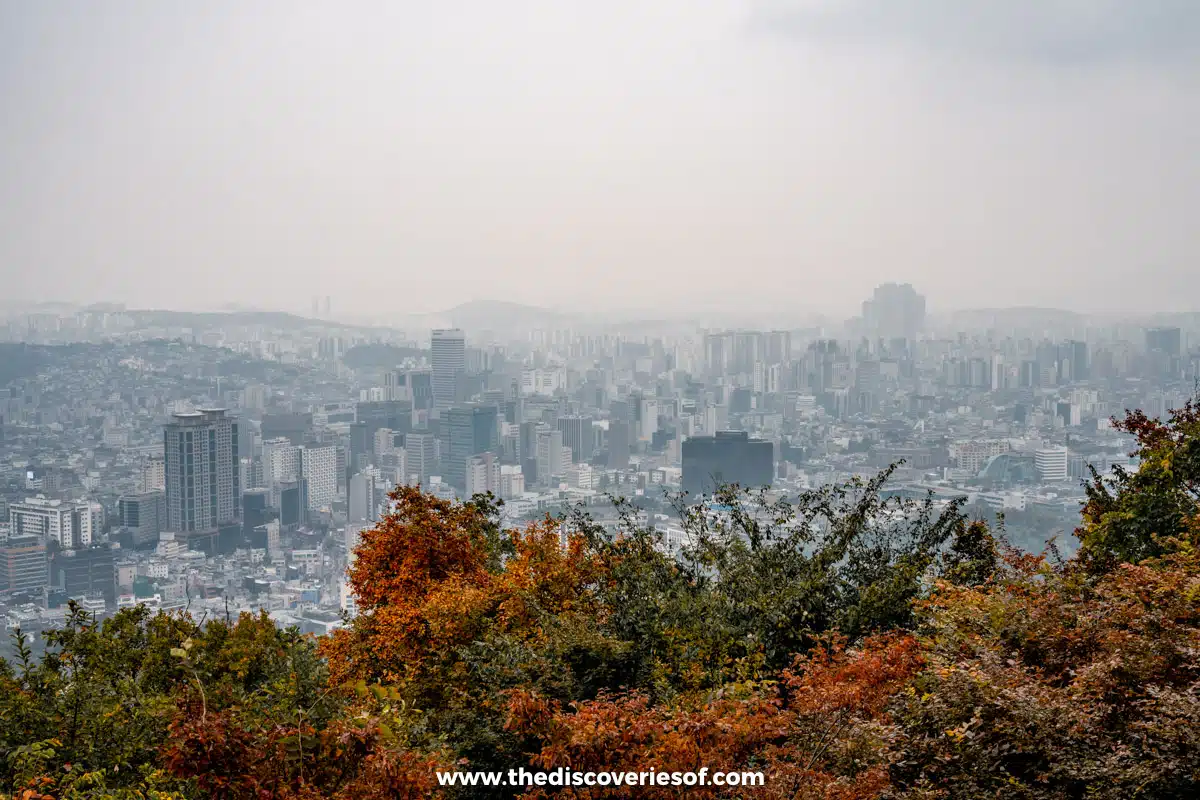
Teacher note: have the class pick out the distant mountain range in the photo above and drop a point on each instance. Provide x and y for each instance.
(503, 317)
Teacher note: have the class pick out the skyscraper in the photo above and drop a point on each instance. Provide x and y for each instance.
(142, 515)
(201, 470)
(361, 499)
(725, 458)
(618, 444)
(420, 448)
(448, 357)
(895, 310)
(1166, 340)
(471, 431)
(549, 455)
(577, 435)
(320, 470)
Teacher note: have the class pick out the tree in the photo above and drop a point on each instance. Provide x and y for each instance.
(1145, 512)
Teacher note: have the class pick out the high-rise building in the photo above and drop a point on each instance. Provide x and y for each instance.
(24, 566)
(483, 474)
(1073, 362)
(293, 427)
(618, 444)
(66, 524)
(281, 460)
(778, 347)
(393, 414)
(1051, 464)
(470, 431)
(577, 435)
(1165, 340)
(201, 454)
(512, 482)
(420, 447)
(894, 311)
(154, 475)
(549, 455)
(448, 358)
(727, 457)
(143, 515)
(86, 572)
(362, 502)
(645, 410)
(361, 452)
(319, 467)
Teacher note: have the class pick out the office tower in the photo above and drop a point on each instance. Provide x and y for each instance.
(293, 427)
(153, 478)
(66, 524)
(319, 467)
(393, 414)
(748, 347)
(362, 451)
(549, 455)
(395, 385)
(618, 444)
(385, 442)
(470, 431)
(448, 359)
(718, 353)
(727, 457)
(361, 499)
(894, 311)
(1051, 464)
(778, 347)
(645, 411)
(293, 502)
(200, 449)
(577, 435)
(87, 572)
(512, 482)
(528, 441)
(510, 444)
(483, 474)
(256, 510)
(1080, 367)
(1165, 340)
(24, 566)
(143, 515)
(1069, 413)
(254, 397)
(420, 448)
(420, 386)
(281, 465)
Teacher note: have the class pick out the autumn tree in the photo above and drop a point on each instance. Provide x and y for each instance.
(1142, 513)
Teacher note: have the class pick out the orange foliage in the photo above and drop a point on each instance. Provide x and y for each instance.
(813, 734)
(427, 580)
(230, 758)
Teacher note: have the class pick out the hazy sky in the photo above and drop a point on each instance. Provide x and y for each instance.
(610, 153)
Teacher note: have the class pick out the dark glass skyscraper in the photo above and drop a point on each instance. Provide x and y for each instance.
(728, 457)
(469, 431)
(200, 450)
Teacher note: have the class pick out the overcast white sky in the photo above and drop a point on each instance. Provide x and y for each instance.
(615, 153)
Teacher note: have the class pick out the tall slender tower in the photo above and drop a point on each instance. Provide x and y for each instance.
(200, 450)
(448, 357)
